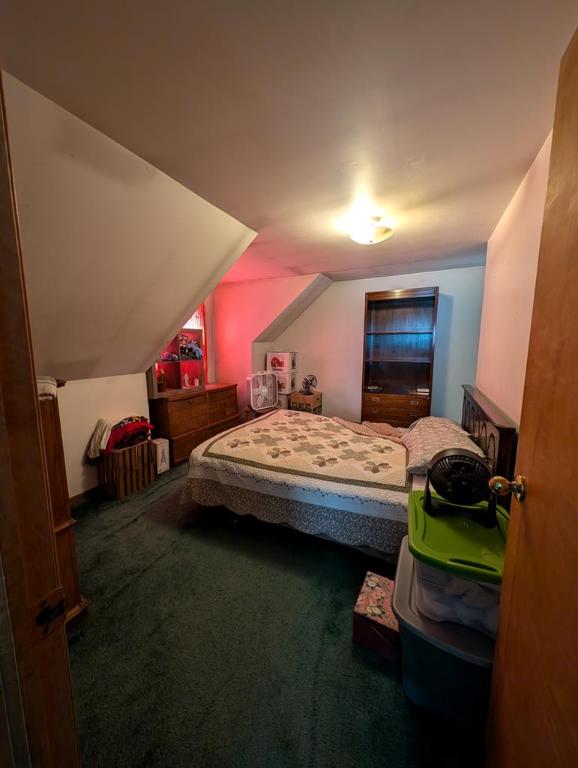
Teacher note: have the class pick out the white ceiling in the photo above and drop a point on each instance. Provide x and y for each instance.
(116, 254)
(278, 113)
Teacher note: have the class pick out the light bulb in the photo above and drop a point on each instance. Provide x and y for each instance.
(368, 230)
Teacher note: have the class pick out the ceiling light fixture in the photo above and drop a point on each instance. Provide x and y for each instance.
(368, 230)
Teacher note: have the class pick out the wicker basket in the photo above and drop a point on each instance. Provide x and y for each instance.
(126, 470)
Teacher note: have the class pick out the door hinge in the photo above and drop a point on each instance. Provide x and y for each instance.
(50, 612)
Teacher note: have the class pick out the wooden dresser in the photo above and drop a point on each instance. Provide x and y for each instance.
(397, 410)
(74, 602)
(187, 417)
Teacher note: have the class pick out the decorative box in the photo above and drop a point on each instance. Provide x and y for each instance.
(286, 383)
(126, 470)
(374, 623)
(311, 403)
(161, 454)
(282, 362)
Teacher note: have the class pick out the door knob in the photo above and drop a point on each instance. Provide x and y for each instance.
(501, 486)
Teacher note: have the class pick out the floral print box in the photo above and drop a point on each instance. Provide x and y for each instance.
(374, 624)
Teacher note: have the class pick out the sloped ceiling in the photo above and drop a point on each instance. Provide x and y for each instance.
(310, 293)
(247, 312)
(278, 112)
(116, 254)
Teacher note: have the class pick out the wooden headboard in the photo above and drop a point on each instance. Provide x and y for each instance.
(491, 429)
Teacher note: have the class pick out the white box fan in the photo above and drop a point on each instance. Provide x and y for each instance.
(263, 390)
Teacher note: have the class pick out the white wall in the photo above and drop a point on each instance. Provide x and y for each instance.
(511, 266)
(329, 338)
(116, 254)
(81, 403)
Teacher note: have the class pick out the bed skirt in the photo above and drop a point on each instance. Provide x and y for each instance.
(351, 528)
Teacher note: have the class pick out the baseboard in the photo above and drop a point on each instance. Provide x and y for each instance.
(88, 495)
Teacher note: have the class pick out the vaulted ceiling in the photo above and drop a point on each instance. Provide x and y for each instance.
(116, 254)
(279, 113)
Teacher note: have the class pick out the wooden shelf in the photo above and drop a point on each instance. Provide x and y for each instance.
(393, 333)
(398, 354)
(421, 360)
(393, 390)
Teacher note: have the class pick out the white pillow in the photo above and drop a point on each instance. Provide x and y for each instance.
(431, 435)
(439, 420)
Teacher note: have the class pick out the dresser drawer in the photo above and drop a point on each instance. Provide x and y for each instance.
(223, 407)
(188, 414)
(370, 411)
(415, 402)
(181, 447)
(385, 413)
(371, 401)
(418, 403)
(397, 410)
(222, 394)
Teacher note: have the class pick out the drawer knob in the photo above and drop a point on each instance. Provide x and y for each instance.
(414, 402)
(375, 399)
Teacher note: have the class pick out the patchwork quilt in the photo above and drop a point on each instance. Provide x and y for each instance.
(311, 459)
(303, 444)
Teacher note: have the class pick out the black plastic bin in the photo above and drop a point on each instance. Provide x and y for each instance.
(445, 667)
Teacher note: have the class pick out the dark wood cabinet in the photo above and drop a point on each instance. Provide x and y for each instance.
(188, 417)
(398, 357)
(63, 522)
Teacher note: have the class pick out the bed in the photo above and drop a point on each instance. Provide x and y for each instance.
(321, 477)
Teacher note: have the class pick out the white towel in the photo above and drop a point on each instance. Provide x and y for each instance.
(46, 387)
(99, 439)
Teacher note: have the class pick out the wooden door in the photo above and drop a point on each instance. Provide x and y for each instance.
(26, 537)
(534, 704)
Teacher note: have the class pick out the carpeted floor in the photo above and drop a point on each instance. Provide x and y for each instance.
(228, 645)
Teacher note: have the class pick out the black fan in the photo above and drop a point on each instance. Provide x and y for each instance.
(461, 479)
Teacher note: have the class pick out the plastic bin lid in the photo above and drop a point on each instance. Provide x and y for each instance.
(460, 641)
(457, 544)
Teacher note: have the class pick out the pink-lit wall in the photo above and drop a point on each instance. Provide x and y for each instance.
(241, 312)
(511, 265)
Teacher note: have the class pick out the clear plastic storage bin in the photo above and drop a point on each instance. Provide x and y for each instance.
(442, 596)
(445, 667)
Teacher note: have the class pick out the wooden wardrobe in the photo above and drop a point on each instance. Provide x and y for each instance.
(74, 602)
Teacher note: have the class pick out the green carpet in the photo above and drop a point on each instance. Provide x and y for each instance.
(228, 645)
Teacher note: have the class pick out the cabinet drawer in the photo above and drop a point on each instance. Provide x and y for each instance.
(387, 412)
(399, 422)
(181, 447)
(395, 412)
(418, 403)
(395, 421)
(372, 410)
(223, 408)
(187, 415)
(372, 399)
(413, 402)
(223, 394)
